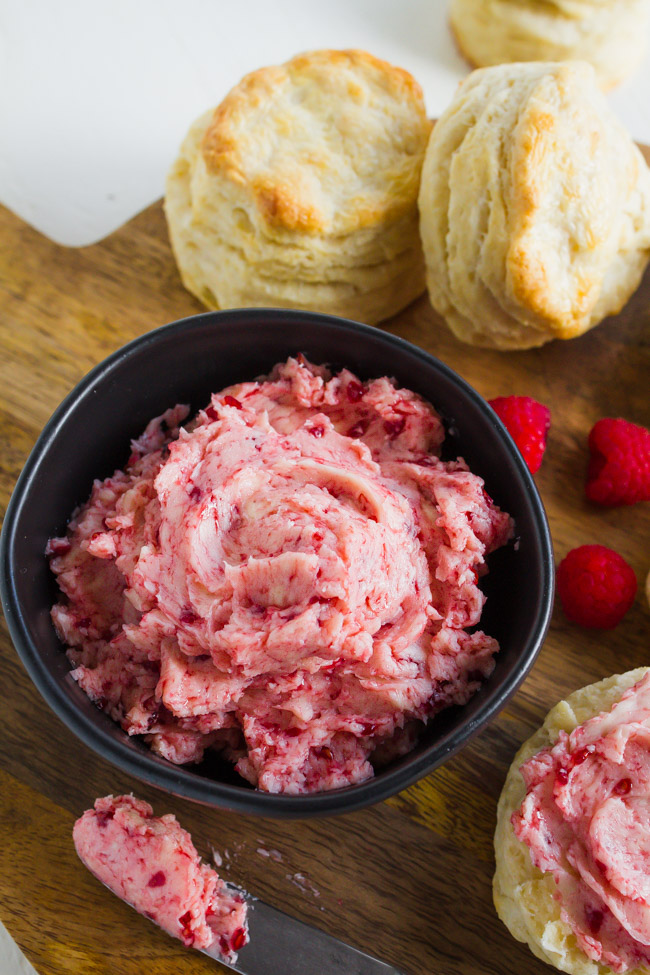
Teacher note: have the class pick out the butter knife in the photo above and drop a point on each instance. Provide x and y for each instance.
(281, 945)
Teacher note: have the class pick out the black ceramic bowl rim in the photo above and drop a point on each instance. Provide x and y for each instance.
(175, 779)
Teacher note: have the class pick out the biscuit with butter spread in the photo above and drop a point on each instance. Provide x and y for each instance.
(565, 883)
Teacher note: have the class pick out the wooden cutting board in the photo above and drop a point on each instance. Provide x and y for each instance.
(410, 879)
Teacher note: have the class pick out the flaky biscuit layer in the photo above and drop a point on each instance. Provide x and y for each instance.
(534, 207)
(300, 190)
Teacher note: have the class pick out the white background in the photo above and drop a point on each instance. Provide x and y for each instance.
(96, 95)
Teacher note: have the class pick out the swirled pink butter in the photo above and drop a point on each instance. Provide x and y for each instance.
(151, 862)
(586, 820)
(290, 579)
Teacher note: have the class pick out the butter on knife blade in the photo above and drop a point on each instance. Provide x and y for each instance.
(151, 863)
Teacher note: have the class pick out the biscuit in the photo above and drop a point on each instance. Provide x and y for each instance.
(523, 895)
(609, 34)
(534, 207)
(300, 190)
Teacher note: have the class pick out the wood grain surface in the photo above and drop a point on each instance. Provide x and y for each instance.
(410, 879)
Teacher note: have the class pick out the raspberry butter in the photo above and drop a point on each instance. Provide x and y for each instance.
(289, 579)
(151, 862)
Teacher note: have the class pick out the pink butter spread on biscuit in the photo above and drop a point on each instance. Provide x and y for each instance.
(288, 579)
(586, 820)
(151, 862)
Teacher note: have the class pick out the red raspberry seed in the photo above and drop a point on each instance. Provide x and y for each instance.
(159, 716)
(394, 427)
(185, 921)
(104, 817)
(596, 586)
(317, 432)
(581, 755)
(562, 775)
(238, 939)
(622, 787)
(157, 879)
(212, 413)
(358, 429)
(231, 401)
(354, 391)
(594, 920)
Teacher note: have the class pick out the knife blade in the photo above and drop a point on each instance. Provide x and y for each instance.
(281, 945)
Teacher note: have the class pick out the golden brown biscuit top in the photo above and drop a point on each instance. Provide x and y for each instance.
(573, 175)
(331, 141)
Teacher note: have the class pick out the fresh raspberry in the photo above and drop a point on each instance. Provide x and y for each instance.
(527, 422)
(619, 468)
(596, 586)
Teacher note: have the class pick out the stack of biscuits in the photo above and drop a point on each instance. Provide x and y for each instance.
(535, 207)
(319, 185)
(300, 190)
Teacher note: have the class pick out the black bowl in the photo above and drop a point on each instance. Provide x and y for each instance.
(88, 437)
